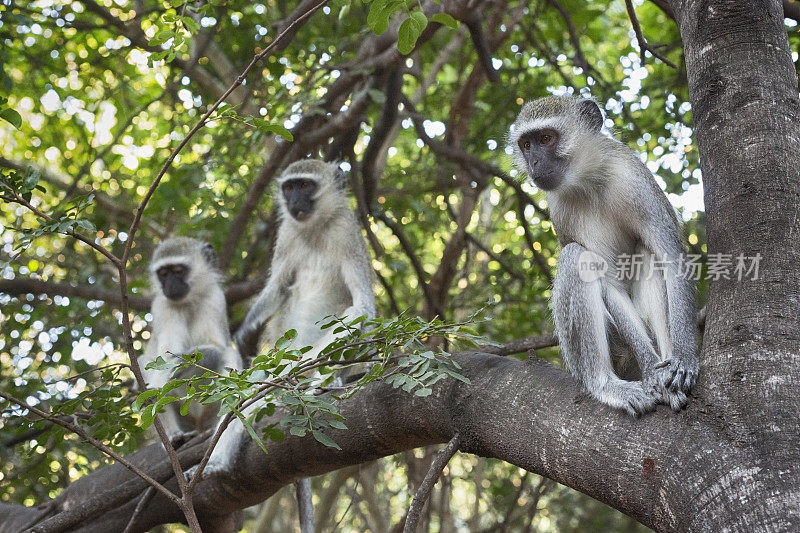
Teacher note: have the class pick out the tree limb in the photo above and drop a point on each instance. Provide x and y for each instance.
(547, 425)
(425, 488)
(643, 46)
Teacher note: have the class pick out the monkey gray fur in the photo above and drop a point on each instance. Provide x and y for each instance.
(189, 314)
(605, 206)
(320, 268)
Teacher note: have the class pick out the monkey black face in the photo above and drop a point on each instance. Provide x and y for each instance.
(173, 280)
(299, 196)
(545, 167)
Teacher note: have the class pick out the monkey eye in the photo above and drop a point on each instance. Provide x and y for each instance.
(547, 137)
(525, 144)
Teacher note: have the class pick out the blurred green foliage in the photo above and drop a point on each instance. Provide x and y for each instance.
(94, 95)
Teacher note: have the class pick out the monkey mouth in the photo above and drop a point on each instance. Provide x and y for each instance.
(546, 183)
(300, 216)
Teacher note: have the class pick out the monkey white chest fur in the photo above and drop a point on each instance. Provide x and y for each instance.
(604, 202)
(317, 290)
(189, 315)
(320, 268)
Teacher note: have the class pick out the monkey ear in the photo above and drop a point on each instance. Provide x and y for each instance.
(591, 114)
(340, 179)
(209, 254)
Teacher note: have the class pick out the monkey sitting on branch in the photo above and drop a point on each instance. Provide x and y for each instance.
(189, 315)
(607, 208)
(320, 268)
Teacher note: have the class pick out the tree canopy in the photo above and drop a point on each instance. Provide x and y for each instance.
(414, 99)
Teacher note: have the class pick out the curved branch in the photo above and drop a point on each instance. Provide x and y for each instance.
(19, 286)
(528, 413)
(435, 470)
(235, 292)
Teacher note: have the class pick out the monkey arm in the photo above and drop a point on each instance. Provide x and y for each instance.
(266, 304)
(662, 237)
(357, 276)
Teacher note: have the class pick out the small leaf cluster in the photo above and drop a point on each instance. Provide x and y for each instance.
(227, 111)
(381, 11)
(299, 392)
(16, 185)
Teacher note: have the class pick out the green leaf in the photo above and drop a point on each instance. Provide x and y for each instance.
(379, 14)
(190, 24)
(276, 129)
(285, 340)
(12, 117)
(85, 224)
(298, 431)
(326, 440)
(410, 30)
(445, 20)
(164, 401)
(137, 405)
(252, 432)
(338, 424)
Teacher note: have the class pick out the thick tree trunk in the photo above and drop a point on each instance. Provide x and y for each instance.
(728, 463)
(744, 95)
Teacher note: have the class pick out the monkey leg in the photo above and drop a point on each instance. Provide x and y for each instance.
(671, 375)
(224, 454)
(632, 330)
(581, 318)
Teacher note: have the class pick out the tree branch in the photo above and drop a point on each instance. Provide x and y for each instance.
(547, 425)
(643, 46)
(424, 491)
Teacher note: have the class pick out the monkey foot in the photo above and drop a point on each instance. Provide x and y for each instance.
(213, 468)
(676, 376)
(630, 396)
(179, 439)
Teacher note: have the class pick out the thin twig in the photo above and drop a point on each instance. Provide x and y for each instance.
(425, 488)
(139, 506)
(94, 442)
(643, 46)
(41, 214)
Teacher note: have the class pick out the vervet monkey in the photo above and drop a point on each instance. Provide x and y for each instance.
(189, 315)
(320, 268)
(609, 213)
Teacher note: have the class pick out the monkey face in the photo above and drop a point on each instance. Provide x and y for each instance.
(173, 279)
(540, 150)
(299, 195)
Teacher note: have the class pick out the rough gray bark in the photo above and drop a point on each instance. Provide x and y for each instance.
(743, 89)
(728, 463)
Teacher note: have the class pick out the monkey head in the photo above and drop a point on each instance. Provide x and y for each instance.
(181, 263)
(310, 188)
(547, 134)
